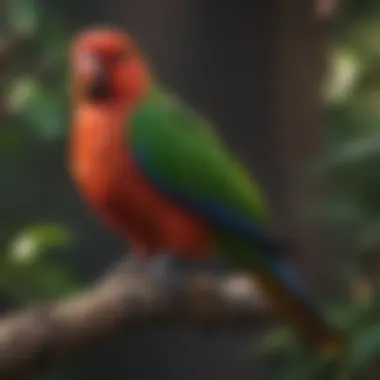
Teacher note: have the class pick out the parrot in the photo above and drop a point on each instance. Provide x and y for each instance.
(159, 175)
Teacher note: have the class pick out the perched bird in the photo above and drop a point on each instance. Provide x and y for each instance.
(158, 174)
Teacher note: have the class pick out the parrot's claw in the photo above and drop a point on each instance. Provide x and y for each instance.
(165, 274)
(161, 267)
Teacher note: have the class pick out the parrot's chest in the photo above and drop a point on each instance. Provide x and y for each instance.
(99, 161)
(106, 173)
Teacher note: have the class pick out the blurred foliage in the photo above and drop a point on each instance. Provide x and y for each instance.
(349, 213)
(26, 271)
(33, 113)
(33, 49)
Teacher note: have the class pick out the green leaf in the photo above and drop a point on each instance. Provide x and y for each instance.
(44, 113)
(345, 72)
(355, 151)
(366, 346)
(21, 93)
(23, 16)
(27, 246)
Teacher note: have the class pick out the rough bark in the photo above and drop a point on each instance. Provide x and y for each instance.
(128, 297)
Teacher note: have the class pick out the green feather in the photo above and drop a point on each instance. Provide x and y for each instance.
(185, 150)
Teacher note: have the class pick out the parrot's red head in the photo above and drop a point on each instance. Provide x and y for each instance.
(108, 68)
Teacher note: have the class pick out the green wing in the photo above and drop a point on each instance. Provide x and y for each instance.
(179, 152)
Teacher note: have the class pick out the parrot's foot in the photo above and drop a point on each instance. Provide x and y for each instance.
(161, 267)
(161, 270)
(165, 274)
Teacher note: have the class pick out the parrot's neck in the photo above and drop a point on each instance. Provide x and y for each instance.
(153, 92)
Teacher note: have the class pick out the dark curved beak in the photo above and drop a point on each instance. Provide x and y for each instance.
(100, 86)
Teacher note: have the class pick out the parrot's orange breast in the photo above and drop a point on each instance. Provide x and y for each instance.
(112, 184)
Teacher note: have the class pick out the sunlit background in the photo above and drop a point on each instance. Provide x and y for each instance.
(294, 87)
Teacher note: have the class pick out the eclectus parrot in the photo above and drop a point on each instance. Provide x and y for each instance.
(158, 175)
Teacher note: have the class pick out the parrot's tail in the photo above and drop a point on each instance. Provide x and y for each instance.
(290, 301)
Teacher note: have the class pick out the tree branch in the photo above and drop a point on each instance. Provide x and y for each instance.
(126, 298)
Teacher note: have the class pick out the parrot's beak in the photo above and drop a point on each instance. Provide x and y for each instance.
(100, 86)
